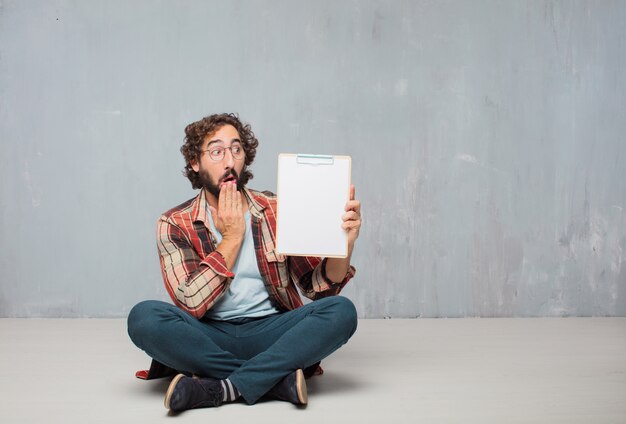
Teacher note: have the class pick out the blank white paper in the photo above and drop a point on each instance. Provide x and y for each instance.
(312, 195)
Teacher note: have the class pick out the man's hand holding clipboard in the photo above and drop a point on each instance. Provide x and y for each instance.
(352, 219)
(336, 268)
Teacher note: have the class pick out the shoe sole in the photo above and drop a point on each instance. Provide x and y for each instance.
(170, 390)
(301, 388)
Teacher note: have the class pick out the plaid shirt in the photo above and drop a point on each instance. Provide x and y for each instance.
(196, 276)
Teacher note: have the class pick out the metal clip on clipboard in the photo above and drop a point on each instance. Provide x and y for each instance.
(315, 159)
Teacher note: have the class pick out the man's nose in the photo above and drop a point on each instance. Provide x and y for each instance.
(229, 159)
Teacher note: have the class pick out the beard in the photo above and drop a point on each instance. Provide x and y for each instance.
(213, 187)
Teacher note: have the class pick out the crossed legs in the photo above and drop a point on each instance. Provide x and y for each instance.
(254, 354)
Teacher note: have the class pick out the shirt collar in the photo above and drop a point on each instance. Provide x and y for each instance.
(200, 208)
(254, 205)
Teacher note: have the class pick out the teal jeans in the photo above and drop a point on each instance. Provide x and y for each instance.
(254, 353)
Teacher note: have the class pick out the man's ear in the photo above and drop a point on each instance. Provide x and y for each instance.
(194, 165)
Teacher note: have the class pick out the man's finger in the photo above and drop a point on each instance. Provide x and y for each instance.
(352, 191)
(229, 196)
(350, 216)
(238, 202)
(350, 225)
(353, 205)
(234, 192)
(222, 199)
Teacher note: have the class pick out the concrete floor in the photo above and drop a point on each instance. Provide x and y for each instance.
(524, 370)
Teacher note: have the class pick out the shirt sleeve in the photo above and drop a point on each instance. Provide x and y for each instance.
(194, 283)
(309, 274)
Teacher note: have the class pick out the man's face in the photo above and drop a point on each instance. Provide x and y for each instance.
(214, 173)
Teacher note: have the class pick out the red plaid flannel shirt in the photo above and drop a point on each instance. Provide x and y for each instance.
(196, 275)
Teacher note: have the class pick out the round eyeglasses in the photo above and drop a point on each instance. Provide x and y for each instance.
(217, 153)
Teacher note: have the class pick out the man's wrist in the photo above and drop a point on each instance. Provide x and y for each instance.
(336, 269)
(229, 249)
(232, 241)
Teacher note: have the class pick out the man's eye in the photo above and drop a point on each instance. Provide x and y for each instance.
(236, 149)
(215, 152)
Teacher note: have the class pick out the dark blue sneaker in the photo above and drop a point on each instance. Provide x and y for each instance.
(292, 389)
(187, 393)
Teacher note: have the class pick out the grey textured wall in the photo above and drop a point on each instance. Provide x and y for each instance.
(488, 142)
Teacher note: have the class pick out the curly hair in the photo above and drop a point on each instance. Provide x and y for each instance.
(195, 134)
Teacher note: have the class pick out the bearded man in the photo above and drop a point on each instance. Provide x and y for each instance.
(238, 327)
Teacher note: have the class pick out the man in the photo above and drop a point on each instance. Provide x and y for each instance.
(238, 328)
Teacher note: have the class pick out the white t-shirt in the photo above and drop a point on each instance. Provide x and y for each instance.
(247, 296)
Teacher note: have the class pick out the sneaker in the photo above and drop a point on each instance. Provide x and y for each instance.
(187, 393)
(292, 389)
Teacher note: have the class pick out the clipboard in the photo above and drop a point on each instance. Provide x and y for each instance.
(312, 195)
